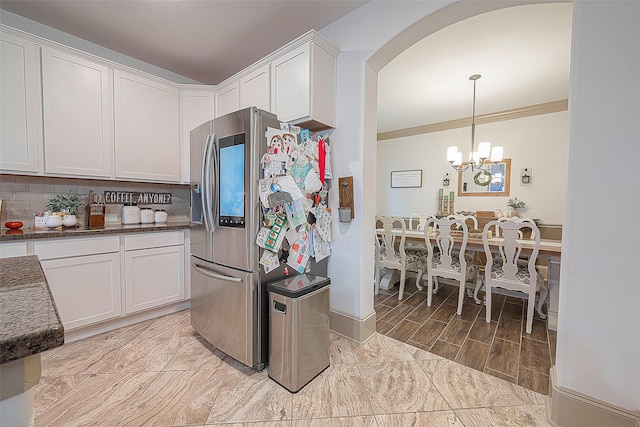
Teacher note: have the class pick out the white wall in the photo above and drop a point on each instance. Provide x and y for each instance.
(358, 36)
(538, 142)
(598, 317)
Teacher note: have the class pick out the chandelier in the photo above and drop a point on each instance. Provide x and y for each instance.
(478, 158)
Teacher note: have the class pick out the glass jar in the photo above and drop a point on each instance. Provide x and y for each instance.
(146, 216)
(160, 216)
(130, 213)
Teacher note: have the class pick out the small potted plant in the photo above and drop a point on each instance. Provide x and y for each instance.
(67, 205)
(516, 204)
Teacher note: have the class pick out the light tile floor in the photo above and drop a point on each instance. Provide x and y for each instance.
(160, 373)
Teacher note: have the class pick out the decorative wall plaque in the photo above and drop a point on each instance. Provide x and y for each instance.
(141, 198)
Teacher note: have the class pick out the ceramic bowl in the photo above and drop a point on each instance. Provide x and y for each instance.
(13, 225)
(54, 221)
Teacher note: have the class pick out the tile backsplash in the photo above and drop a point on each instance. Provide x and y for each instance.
(22, 196)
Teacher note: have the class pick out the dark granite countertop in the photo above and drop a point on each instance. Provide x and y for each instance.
(111, 228)
(29, 320)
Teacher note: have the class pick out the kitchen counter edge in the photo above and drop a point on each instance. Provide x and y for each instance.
(82, 231)
(30, 321)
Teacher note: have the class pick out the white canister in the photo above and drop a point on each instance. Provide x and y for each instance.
(146, 216)
(160, 216)
(130, 213)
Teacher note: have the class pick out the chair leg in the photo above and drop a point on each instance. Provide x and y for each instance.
(544, 292)
(418, 279)
(435, 290)
(461, 296)
(403, 276)
(531, 304)
(429, 289)
(377, 280)
(477, 289)
(487, 290)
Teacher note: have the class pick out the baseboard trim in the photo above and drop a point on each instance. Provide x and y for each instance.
(353, 328)
(120, 322)
(552, 320)
(568, 408)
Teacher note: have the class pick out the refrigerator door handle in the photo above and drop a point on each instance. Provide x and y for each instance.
(208, 185)
(213, 275)
(215, 192)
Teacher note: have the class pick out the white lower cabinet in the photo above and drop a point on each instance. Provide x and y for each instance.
(84, 277)
(98, 279)
(86, 289)
(154, 270)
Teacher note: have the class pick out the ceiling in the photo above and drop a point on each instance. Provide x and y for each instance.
(522, 52)
(207, 41)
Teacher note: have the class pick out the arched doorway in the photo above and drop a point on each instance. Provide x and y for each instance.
(380, 59)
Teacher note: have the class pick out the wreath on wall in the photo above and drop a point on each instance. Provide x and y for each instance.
(485, 180)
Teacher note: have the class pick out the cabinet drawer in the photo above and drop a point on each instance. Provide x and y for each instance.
(62, 248)
(153, 240)
(12, 249)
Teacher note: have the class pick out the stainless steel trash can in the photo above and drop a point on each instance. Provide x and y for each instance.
(298, 330)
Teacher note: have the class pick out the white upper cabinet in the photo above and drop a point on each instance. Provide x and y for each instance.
(229, 99)
(255, 89)
(147, 143)
(76, 107)
(20, 130)
(196, 107)
(303, 86)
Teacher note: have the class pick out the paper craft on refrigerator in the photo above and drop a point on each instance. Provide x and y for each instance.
(323, 222)
(269, 261)
(299, 252)
(271, 238)
(321, 248)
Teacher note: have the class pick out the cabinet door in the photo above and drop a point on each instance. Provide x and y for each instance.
(85, 289)
(196, 107)
(76, 107)
(255, 89)
(290, 84)
(19, 106)
(229, 99)
(147, 145)
(153, 277)
(304, 86)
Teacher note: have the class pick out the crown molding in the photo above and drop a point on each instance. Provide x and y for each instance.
(516, 113)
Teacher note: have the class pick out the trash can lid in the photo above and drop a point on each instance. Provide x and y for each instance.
(297, 286)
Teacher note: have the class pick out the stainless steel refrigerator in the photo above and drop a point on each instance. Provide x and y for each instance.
(229, 301)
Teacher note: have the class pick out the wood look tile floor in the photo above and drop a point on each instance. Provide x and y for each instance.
(161, 373)
(501, 348)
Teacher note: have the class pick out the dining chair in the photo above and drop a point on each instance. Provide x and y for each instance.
(510, 274)
(392, 253)
(470, 220)
(516, 219)
(447, 262)
(417, 221)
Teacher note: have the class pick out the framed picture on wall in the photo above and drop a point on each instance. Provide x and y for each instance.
(406, 179)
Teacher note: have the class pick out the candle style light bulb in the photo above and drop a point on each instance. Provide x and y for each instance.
(451, 153)
(484, 148)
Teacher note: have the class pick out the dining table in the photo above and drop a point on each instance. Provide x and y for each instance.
(549, 250)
